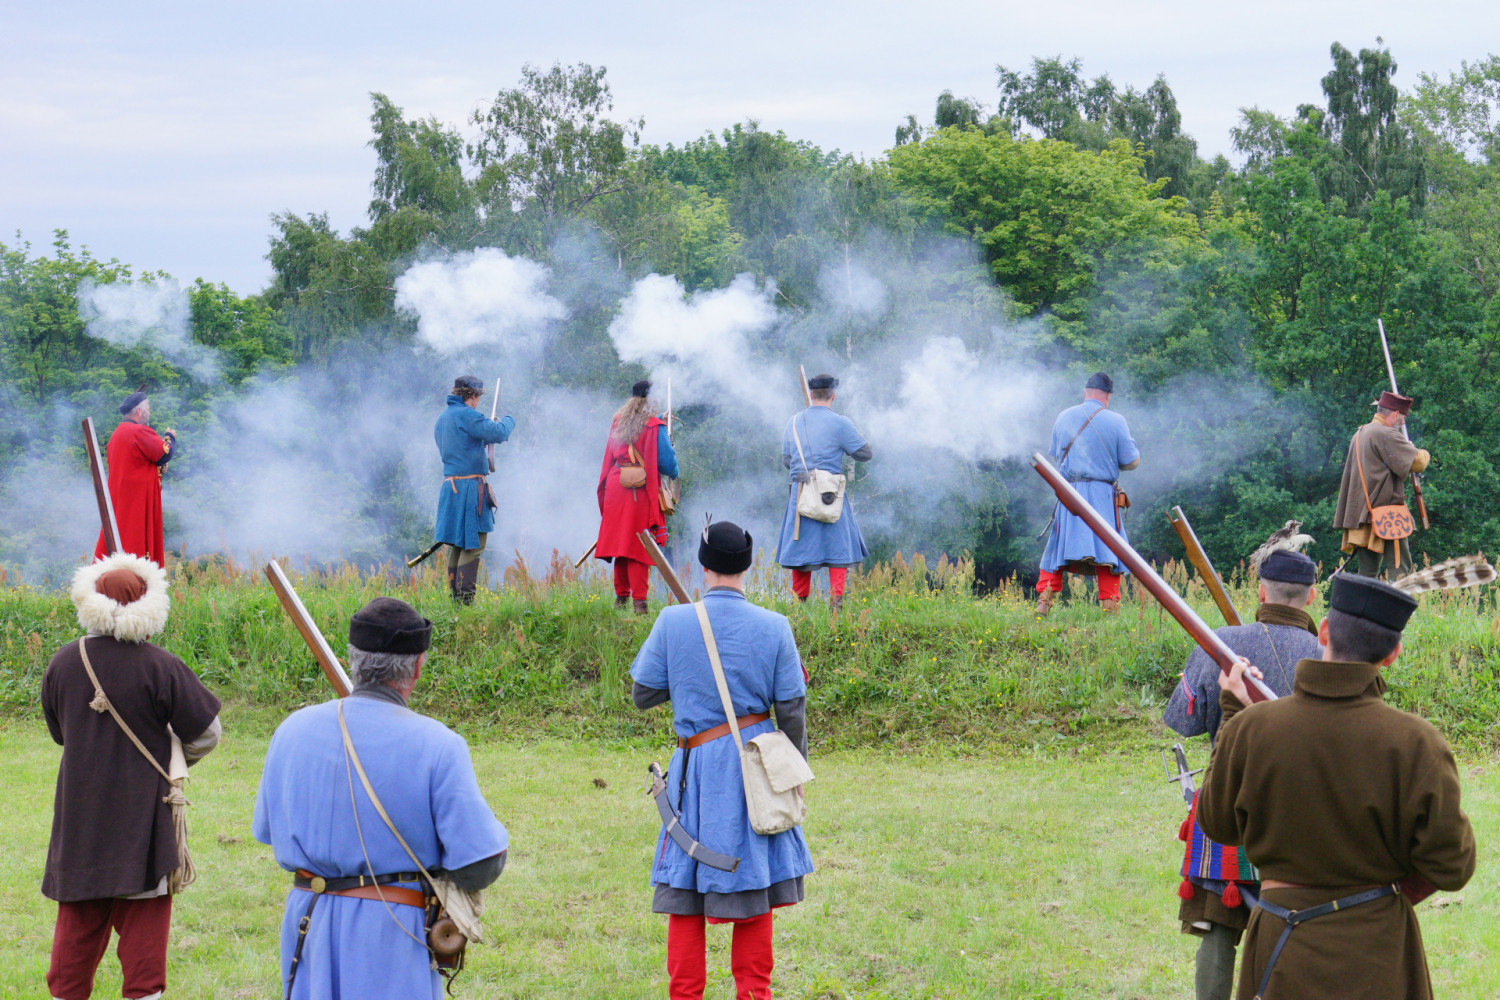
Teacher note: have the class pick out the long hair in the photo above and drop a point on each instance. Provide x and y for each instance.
(630, 420)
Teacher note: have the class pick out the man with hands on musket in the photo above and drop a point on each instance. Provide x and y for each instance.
(466, 504)
(137, 455)
(1337, 797)
(1372, 494)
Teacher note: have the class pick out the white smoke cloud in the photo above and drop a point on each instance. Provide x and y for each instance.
(479, 298)
(159, 314)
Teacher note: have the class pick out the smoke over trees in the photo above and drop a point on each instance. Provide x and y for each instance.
(974, 274)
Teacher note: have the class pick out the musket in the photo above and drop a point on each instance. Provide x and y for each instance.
(669, 409)
(1205, 567)
(587, 552)
(1179, 609)
(1416, 480)
(667, 573)
(806, 392)
(101, 489)
(489, 449)
(416, 560)
(321, 651)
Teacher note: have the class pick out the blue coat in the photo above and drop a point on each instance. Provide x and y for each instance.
(1099, 453)
(461, 434)
(761, 666)
(422, 773)
(826, 438)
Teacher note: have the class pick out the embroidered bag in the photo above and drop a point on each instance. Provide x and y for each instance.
(1392, 522)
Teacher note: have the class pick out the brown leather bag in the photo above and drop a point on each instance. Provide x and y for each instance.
(1392, 522)
(633, 476)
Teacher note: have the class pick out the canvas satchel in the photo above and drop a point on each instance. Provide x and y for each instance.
(773, 770)
(176, 774)
(821, 498)
(1392, 522)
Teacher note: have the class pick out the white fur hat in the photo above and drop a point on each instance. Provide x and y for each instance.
(134, 622)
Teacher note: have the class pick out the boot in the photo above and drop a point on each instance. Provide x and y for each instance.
(622, 600)
(468, 582)
(640, 606)
(1109, 605)
(1044, 603)
(453, 581)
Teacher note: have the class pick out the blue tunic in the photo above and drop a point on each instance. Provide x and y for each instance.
(761, 666)
(422, 773)
(461, 434)
(1093, 463)
(826, 438)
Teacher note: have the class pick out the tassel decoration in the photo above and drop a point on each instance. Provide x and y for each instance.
(1186, 889)
(1231, 896)
(1186, 829)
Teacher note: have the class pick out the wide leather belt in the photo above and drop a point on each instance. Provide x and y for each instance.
(708, 735)
(364, 887)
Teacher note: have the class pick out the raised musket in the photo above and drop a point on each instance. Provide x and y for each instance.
(1179, 609)
(1390, 369)
(295, 609)
(489, 449)
(101, 489)
(806, 392)
(667, 573)
(1204, 565)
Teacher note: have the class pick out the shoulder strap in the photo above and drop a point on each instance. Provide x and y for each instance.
(364, 780)
(713, 658)
(1359, 460)
(1074, 439)
(798, 440)
(101, 703)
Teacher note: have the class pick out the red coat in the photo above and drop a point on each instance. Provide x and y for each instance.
(623, 512)
(135, 489)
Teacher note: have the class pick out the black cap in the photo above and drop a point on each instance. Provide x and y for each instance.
(642, 389)
(1286, 566)
(468, 382)
(823, 381)
(131, 402)
(1371, 599)
(387, 625)
(1100, 381)
(726, 548)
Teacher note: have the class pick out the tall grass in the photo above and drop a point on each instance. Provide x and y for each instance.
(915, 658)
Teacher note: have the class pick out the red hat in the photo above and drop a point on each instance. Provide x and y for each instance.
(1393, 401)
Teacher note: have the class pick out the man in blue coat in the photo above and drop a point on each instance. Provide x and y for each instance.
(818, 438)
(353, 927)
(1091, 445)
(763, 672)
(466, 505)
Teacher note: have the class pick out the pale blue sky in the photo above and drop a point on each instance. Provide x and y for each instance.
(165, 134)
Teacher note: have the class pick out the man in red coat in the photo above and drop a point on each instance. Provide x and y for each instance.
(638, 451)
(136, 455)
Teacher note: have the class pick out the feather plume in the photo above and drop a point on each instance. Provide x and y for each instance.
(1464, 571)
(1289, 536)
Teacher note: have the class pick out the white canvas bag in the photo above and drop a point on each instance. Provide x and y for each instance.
(774, 771)
(820, 484)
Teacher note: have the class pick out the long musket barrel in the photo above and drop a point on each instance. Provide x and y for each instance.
(1204, 636)
(489, 449)
(669, 409)
(414, 561)
(667, 573)
(806, 392)
(1390, 369)
(321, 651)
(101, 489)
(1205, 566)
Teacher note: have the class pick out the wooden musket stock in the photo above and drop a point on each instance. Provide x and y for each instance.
(321, 651)
(586, 553)
(1204, 636)
(806, 392)
(416, 560)
(1205, 567)
(101, 489)
(660, 558)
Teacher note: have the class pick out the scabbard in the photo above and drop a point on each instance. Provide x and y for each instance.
(681, 837)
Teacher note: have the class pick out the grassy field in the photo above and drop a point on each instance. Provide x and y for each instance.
(1042, 874)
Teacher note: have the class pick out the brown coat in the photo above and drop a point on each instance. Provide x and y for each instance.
(1335, 790)
(1389, 459)
(111, 832)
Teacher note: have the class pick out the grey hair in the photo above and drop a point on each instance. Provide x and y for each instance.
(1291, 594)
(382, 668)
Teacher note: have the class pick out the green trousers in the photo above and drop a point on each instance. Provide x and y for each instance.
(1213, 979)
(1375, 564)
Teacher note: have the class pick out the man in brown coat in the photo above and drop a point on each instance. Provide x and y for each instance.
(1388, 458)
(114, 843)
(1336, 796)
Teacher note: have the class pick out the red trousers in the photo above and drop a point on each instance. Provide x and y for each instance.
(802, 581)
(1109, 583)
(632, 579)
(82, 936)
(750, 958)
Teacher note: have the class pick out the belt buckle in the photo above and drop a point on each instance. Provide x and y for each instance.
(318, 884)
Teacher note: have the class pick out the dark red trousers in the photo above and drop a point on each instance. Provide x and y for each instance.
(632, 579)
(82, 936)
(750, 958)
(1109, 583)
(802, 581)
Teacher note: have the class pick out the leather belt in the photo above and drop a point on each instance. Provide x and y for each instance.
(708, 735)
(364, 887)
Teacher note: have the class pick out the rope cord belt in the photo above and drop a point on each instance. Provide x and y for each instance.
(1295, 917)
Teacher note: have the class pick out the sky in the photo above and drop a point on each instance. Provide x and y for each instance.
(166, 134)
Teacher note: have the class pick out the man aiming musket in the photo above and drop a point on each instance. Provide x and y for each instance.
(466, 505)
(137, 455)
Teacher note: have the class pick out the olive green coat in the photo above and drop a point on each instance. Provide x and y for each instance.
(1335, 790)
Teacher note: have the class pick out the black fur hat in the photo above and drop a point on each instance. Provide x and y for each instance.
(726, 548)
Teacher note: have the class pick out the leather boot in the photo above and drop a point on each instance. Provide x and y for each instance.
(622, 600)
(1109, 605)
(1044, 603)
(640, 606)
(468, 582)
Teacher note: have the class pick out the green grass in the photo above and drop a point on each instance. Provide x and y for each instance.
(1048, 873)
